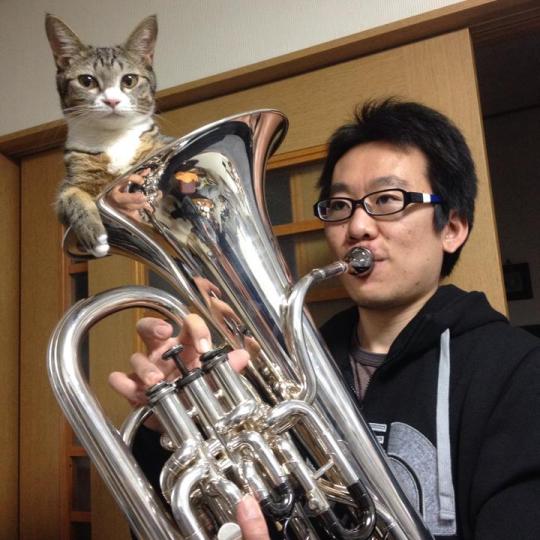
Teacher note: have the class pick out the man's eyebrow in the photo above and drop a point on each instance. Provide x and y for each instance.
(381, 182)
(391, 181)
(338, 186)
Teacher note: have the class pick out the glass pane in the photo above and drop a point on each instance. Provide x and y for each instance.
(304, 189)
(80, 470)
(81, 531)
(291, 192)
(304, 252)
(287, 246)
(79, 286)
(155, 280)
(79, 290)
(278, 196)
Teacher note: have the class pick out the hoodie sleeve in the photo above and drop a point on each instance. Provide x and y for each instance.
(505, 496)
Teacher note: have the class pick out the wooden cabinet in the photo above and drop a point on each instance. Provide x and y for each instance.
(438, 72)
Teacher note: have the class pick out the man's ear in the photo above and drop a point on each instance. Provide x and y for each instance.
(455, 232)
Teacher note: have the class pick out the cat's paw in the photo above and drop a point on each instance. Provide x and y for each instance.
(92, 237)
(102, 247)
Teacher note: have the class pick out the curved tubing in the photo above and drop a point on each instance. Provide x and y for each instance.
(102, 441)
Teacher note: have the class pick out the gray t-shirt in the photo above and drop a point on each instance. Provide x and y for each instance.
(363, 364)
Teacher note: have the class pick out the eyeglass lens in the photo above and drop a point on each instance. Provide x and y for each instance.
(378, 204)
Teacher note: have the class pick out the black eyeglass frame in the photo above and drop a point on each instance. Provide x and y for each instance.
(408, 198)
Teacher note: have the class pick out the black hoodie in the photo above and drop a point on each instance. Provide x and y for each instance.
(456, 406)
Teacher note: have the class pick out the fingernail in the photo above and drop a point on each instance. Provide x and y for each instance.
(162, 332)
(250, 508)
(204, 345)
(153, 377)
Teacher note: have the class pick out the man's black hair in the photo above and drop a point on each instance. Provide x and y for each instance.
(451, 171)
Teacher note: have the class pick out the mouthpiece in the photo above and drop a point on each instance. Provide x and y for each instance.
(360, 261)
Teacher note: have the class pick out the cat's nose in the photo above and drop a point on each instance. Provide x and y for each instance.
(112, 103)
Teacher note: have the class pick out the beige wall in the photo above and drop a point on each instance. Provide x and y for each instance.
(197, 38)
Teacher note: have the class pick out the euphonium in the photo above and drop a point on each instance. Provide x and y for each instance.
(288, 430)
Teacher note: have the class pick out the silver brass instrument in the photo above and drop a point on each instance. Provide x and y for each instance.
(287, 430)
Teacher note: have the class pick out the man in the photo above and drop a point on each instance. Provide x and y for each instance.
(449, 388)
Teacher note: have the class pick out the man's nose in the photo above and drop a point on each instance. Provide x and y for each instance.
(361, 224)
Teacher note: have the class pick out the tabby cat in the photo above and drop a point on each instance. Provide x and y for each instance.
(108, 100)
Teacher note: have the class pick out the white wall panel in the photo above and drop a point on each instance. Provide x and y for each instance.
(197, 38)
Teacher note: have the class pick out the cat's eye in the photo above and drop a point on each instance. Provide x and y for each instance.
(130, 80)
(87, 81)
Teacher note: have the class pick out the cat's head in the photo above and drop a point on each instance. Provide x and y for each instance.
(112, 87)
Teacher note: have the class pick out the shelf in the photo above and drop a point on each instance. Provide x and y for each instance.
(308, 225)
(298, 157)
(77, 267)
(76, 451)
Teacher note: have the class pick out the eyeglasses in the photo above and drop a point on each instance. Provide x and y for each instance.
(378, 203)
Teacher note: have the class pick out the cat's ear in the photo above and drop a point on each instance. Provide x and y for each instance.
(64, 42)
(143, 39)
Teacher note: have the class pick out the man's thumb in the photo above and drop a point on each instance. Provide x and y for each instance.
(251, 520)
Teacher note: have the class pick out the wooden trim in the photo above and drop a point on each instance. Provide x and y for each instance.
(76, 451)
(468, 13)
(297, 227)
(77, 267)
(298, 157)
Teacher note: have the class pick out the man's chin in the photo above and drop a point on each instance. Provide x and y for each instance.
(370, 295)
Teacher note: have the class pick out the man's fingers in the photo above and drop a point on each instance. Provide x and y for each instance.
(238, 359)
(251, 520)
(196, 339)
(146, 370)
(127, 387)
(154, 332)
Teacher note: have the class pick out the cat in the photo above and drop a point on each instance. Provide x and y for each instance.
(107, 96)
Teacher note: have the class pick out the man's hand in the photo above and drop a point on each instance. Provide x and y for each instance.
(150, 368)
(129, 202)
(251, 520)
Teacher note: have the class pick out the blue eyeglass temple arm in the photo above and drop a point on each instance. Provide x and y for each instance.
(411, 196)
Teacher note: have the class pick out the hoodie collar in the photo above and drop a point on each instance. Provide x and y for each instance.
(449, 308)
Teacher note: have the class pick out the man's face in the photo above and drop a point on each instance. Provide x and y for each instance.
(407, 250)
